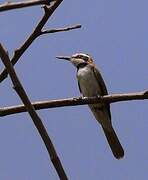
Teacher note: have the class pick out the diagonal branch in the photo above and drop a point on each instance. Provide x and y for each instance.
(75, 101)
(37, 32)
(17, 5)
(36, 119)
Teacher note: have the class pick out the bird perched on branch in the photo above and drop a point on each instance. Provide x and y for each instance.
(91, 84)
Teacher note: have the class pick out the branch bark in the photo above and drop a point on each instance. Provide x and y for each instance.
(75, 101)
(48, 11)
(17, 5)
(36, 119)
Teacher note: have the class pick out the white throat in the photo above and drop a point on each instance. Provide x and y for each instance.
(88, 82)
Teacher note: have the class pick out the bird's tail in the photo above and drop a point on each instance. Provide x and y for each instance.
(114, 143)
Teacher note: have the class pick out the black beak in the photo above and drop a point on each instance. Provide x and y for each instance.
(64, 57)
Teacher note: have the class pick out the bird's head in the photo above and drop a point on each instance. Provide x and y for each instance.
(78, 59)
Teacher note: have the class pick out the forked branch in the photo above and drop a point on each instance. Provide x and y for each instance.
(48, 11)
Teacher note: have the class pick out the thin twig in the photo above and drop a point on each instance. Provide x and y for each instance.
(68, 28)
(36, 119)
(17, 5)
(21, 50)
(75, 101)
(37, 32)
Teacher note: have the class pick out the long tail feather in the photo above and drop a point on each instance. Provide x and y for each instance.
(114, 143)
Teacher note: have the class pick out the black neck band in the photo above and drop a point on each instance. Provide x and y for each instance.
(81, 65)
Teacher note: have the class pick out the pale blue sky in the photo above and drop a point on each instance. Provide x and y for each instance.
(115, 33)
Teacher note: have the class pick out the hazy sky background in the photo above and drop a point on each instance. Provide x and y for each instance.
(115, 33)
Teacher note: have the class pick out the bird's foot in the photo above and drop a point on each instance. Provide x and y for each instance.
(98, 96)
(78, 98)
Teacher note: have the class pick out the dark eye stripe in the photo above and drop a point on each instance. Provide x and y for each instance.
(82, 57)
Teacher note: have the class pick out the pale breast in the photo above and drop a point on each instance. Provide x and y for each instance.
(87, 81)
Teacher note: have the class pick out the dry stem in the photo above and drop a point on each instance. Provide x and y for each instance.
(75, 101)
(17, 5)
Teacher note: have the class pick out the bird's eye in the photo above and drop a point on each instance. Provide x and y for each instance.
(85, 58)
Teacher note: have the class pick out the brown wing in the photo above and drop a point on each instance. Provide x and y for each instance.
(79, 88)
(102, 87)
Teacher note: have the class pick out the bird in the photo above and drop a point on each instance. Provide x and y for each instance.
(91, 84)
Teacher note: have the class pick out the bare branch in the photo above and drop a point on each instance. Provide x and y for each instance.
(37, 31)
(16, 5)
(68, 28)
(75, 101)
(36, 119)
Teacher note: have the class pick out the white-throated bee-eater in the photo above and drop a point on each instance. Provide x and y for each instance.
(91, 84)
